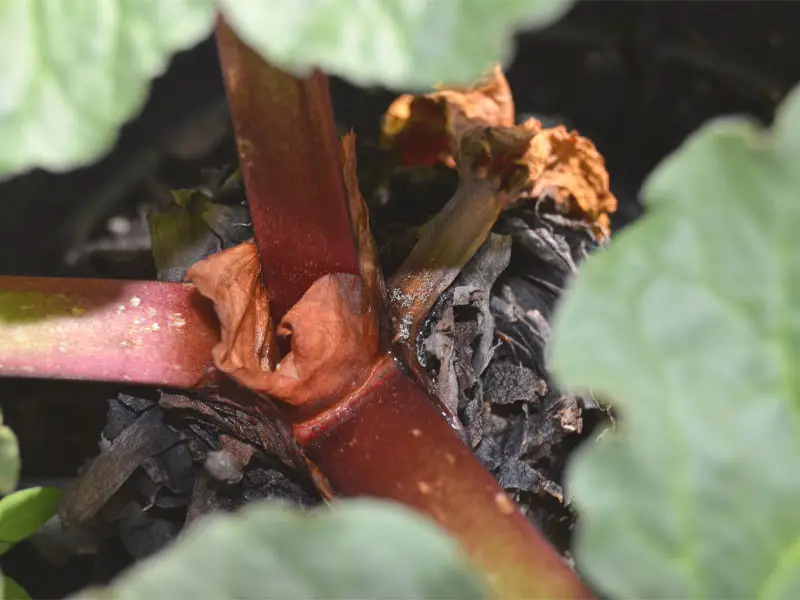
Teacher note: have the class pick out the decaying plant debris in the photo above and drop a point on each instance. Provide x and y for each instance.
(478, 338)
(500, 166)
(475, 129)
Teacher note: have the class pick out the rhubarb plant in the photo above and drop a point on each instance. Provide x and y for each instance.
(687, 324)
(336, 395)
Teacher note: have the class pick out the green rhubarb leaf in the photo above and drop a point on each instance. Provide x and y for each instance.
(9, 459)
(353, 549)
(690, 324)
(11, 590)
(73, 72)
(397, 43)
(23, 512)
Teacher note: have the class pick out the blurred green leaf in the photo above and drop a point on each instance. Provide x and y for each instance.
(353, 549)
(397, 43)
(24, 511)
(73, 72)
(690, 323)
(9, 459)
(11, 590)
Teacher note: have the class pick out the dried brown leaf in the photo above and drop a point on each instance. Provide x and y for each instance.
(474, 129)
(568, 167)
(232, 280)
(499, 155)
(334, 341)
(550, 162)
(424, 130)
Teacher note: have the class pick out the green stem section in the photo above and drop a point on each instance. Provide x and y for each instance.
(142, 332)
(388, 440)
(446, 243)
(289, 157)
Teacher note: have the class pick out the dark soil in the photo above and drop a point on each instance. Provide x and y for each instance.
(636, 78)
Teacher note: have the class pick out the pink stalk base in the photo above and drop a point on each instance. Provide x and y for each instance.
(142, 332)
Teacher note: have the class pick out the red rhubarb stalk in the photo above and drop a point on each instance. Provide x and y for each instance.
(385, 437)
(142, 332)
(389, 441)
(289, 158)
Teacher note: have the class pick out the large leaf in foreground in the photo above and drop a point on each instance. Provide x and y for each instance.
(73, 72)
(355, 549)
(399, 43)
(690, 323)
(9, 459)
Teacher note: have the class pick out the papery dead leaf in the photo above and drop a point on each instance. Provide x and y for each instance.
(334, 341)
(552, 162)
(424, 130)
(475, 128)
(498, 167)
(499, 155)
(232, 280)
(568, 167)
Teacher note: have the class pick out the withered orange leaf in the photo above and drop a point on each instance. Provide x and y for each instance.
(333, 341)
(553, 162)
(569, 167)
(425, 129)
(499, 155)
(232, 280)
(477, 127)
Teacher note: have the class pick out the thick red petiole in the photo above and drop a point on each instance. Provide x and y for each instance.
(289, 157)
(142, 332)
(388, 440)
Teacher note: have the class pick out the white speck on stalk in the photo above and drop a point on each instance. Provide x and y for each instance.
(175, 320)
